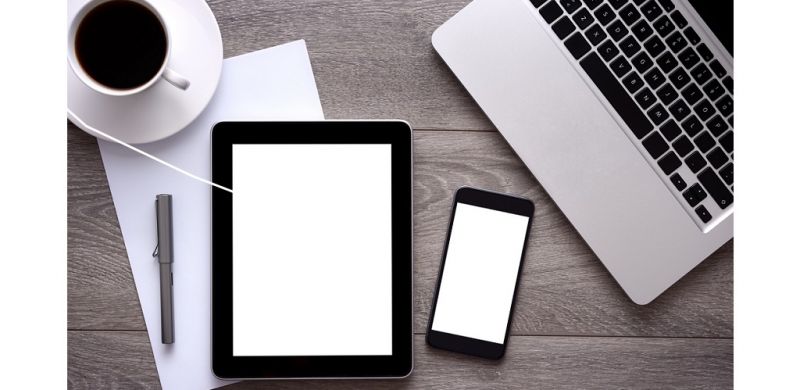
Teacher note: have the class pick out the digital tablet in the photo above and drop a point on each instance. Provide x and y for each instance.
(312, 257)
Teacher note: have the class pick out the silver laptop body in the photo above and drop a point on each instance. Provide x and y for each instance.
(579, 148)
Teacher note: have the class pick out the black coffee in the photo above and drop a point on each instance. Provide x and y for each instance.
(121, 44)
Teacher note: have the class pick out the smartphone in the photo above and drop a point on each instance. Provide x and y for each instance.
(481, 263)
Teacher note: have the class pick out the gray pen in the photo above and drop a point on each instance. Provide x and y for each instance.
(165, 259)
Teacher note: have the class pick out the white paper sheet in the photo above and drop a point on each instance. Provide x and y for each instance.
(271, 84)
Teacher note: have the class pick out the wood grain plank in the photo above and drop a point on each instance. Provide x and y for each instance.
(100, 289)
(123, 360)
(110, 360)
(371, 59)
(564, 288)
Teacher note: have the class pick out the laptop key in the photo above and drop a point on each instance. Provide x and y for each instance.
(692, 36)
(669, 163)
(713, 90)
(683, 145)
(617, 30)
(727, 174)
(654, 46)
(604, 14)
(679, 110)
(563, 27)
(688, 58)
(608, 50)
(592, 4)
(629, 46)
(537, 3)
(704, 109)
(616, 95)
(694, 195)
(677, 181)
(727, 141)
(657, 114)
(667, 94)
(692, 94)
(701, 74)
(679, 77)
(642, 62)
(695, 162)
(705, 52)
(676, 42)
(642, 30)
(654, 78)
(577, 45)
(728, 83)
(645, 98)
(718, 69)
(620, 66)
(595, 34)
(617, 4)
(570, 5)
(725, 105)
(692, 126)
(651, 10)
(703, 213)
(716, 188)
(630, 14)
(704, 141)
(551, 11)
(667, 62)
(583, 18)
(655, 145)
(632, 82)
(667, 5)
(679, 20)
(717, 125)
(663, 26)
(670, 130)
(717, 157)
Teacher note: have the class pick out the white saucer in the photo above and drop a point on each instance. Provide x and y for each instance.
(162, 110)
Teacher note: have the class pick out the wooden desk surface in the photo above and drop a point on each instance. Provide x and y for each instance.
(573, 326)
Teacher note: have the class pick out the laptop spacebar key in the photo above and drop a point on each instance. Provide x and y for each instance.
(616, 95)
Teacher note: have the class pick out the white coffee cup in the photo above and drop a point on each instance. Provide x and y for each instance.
(164, 72)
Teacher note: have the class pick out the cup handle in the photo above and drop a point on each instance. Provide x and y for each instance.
(175, 79)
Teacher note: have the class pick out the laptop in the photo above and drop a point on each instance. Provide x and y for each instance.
(622, 110)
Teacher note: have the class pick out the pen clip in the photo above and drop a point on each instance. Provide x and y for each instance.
(163, 205)
(155, 250)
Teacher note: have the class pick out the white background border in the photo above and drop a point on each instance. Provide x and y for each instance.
(33, 198)
(767, 217)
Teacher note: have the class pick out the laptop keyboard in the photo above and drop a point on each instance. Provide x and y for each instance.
(665, 84)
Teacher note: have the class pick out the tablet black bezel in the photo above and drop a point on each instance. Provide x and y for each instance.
(400, 363)
(494, 201)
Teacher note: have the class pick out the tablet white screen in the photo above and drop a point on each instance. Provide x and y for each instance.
(480, 273)
(312, 250)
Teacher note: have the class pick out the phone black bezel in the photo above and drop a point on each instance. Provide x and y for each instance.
(400, 363)
(494, 201)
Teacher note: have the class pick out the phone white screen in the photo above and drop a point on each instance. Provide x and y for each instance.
(480, 273)
(312, 250)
